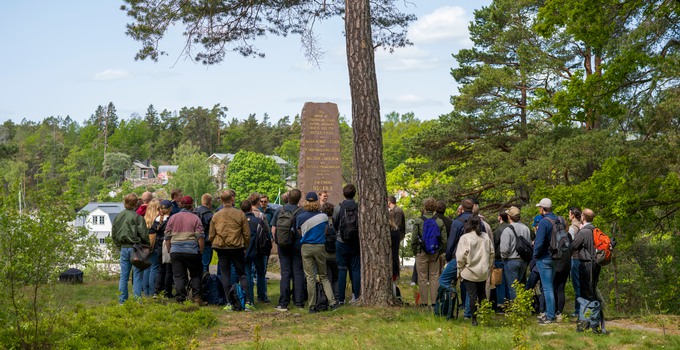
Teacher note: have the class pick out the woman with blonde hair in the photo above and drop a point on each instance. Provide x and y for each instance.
(153, 209)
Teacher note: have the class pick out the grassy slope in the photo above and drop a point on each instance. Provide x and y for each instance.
(356, 328)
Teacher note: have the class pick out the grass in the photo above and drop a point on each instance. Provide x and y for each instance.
(347, 328)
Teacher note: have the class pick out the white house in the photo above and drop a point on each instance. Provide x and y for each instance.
(98, 218)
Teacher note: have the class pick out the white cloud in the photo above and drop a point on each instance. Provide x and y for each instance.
(409, 58)
(111, 74)
(444, 24)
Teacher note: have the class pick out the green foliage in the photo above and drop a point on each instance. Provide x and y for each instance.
(253, 172)
(518, 312)
(35, 246)
(484, 313)
(193, 172)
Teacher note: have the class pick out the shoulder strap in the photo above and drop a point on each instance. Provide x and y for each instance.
(513, 230)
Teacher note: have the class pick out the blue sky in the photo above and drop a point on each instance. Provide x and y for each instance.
(67, 57)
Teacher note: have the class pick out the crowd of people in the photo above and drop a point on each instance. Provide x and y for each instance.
(319, 241)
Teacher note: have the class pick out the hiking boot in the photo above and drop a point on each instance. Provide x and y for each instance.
(474, 322)
(334, 307)
(541, 315)
(281, 308)
(265, 300)
(228, 307)
(313, 310)
(250, 307)
(558, 318)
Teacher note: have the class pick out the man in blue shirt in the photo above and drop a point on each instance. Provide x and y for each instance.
(544, 261)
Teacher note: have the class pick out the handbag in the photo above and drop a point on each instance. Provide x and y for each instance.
(496, 275)
(139, 257)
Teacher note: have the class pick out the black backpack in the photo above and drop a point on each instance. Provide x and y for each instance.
(447, 303)
(321, 300)
(263, 241)
(285, 237)
(329, 244)
(349, 225)
(522, 246)
(212, 290)
(236, 297)
(560, 239)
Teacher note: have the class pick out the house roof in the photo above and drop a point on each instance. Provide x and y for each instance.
(110, 208)
(142, 165)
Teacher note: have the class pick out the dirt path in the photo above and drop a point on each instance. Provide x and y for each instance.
(672, 325)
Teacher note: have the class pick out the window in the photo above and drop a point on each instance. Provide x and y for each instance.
(102, 241)
(98, 220)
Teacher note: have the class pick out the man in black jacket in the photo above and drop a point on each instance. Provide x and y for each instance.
(347, 251)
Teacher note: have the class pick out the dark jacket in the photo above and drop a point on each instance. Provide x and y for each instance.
(417, 234)
(205, 214)
(253, 222)
(497, 239)
(455, 233)
(447, 222)
(584, 244)
(543, 234)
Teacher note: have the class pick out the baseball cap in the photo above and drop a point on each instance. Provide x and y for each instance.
(166, 204)
(311, 196)
(545, 203)
(186, 200)
(513, 211)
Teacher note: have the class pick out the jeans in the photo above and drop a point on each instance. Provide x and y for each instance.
(236, 258)
(348, 259)
(546, 269)
(181, 262)
(559, 283)
(314, 262)
(290, 259)
(258, 265)
(514, 270)
(449, 275)
(149, 275)
(501, 289)
(206, 258)
(575, 263)
(125, 268)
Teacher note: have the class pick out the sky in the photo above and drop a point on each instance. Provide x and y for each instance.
(65, 58)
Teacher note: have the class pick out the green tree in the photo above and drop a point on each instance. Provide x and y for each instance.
(132, 137)
(193, 171)
(116, 164)
(252, 172)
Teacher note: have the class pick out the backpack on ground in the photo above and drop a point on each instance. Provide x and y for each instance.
(263, 241)
(285, 237)
(590, 316)
(560, 239)
(522, 246)
(213, 293)
(431, 238)
(603, 247)
(71, 276)
(349, 225)
(236, 297)
(321, 300)
(396, 293)
(329, 244)
(447, 303)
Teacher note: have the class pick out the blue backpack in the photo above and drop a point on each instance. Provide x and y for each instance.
(237, 297)
(590, 316)
(431, 239)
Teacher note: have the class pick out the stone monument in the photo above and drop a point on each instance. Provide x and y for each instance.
(319, 166)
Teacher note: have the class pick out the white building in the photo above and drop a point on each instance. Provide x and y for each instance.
(98, 218)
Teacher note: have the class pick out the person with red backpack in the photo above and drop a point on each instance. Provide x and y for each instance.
(584, 245)
(427, 241)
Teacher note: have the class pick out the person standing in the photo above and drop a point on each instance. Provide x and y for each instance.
(230, 235)
(290, 256)
(146, 198)
(501, 291)
(185, 241)
(152, 211)
(311, 225)
(254, 266)
(515, 268)
(397, 223)
(164, 279)
(205, 213)
(128, 229)
(575, 219)
(427, 263)
(347, 250)
(584, 245)
(474, 256)
(544, 261)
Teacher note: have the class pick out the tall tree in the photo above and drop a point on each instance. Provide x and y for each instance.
(221, 25)
(193, 172)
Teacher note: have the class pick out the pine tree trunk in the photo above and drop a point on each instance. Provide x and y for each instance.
(370, 170)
